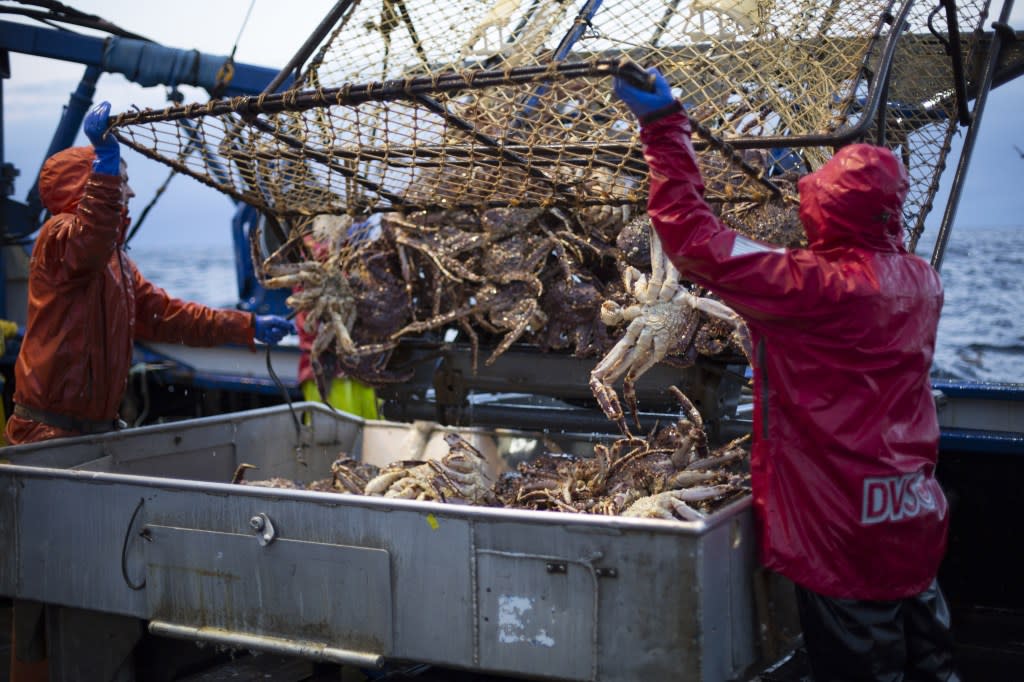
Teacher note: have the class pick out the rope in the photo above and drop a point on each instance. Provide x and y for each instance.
(152, 202)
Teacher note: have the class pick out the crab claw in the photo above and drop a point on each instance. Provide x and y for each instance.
(608, 401)
(629, 395)
(240, 471)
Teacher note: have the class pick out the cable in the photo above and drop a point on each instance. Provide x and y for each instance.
(223, 78)
(284, 392)
(245, 21)
(227, 70)
(152, 202)
(144, 390)
(124, 549)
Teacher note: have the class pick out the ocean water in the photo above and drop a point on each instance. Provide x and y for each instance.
(981, 333)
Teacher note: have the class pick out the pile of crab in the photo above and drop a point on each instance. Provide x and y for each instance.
(592, 282)
(670, 474)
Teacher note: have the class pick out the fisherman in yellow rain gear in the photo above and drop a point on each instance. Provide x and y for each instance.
(346, 394)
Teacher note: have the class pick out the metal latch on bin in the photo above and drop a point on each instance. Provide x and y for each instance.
(264, 528)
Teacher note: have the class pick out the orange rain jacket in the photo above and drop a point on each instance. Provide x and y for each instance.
(845, 426)
(87, 303)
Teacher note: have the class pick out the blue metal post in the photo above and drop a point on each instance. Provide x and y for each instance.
(252, 296)
(586, 13)
(64, 136)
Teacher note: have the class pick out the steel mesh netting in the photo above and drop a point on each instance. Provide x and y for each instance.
(921, 116)
(748, 68)
(486, 135)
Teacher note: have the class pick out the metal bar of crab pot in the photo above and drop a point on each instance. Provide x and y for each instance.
(351, 94)
(575, 32)
(622, 155)
(219, 172)
(959, 178)
(327, 161)
(307, 47)
(492, 144)
(959, 77)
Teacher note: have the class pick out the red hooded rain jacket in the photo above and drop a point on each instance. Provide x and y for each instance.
(845, 425)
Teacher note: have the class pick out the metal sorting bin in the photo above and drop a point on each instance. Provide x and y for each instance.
(144, 523)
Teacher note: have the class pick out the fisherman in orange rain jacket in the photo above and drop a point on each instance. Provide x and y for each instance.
(87, 304)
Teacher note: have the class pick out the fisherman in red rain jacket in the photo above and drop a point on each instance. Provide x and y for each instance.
(845, 430)
(87, 303)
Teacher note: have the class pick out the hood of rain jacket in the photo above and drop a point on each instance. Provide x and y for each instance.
(845, 426)
(855, 200)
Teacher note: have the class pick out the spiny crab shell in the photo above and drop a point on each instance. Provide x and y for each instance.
(458, 477)
(676, 504)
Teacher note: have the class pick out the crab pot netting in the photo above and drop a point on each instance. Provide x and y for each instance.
(747, 69)
(921, 116)
(417, 109)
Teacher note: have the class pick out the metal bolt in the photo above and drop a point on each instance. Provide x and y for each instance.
(264, 528)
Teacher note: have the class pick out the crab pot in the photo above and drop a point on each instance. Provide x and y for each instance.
(371, 580)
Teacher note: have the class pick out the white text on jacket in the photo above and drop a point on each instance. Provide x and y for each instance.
(894, 498)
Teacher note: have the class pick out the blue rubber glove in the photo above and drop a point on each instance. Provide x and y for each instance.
(642, 103)
(108, 150)
(272, 328)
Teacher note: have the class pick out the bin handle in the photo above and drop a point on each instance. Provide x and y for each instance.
(274, 645)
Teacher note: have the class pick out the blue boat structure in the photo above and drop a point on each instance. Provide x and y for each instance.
(144, 542)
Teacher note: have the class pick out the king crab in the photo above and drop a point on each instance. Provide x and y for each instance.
(328, 288)
(666, 315)
(507, 300)
(458, 477)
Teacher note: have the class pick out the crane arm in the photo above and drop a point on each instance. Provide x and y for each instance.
(140, 61)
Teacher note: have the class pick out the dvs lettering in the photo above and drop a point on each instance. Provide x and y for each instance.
(894, 498)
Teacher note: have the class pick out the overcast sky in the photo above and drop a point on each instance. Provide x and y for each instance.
(190, 212)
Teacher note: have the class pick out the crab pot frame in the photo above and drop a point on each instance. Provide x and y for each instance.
(413, 108)
(354, 147)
